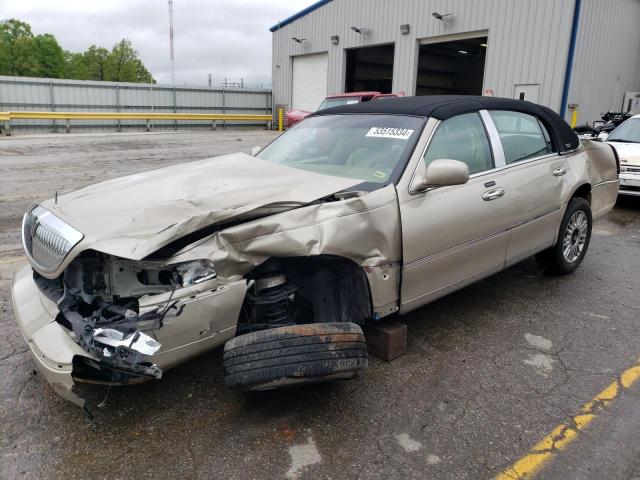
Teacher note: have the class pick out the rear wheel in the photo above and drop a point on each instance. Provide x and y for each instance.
(573, 240)
(292, 355)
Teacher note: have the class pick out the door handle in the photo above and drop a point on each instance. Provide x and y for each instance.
(558, 172)
(493, 194)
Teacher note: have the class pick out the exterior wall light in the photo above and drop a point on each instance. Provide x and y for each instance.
(404, 29)
(335, 39)
(361, 31)
(444, 18)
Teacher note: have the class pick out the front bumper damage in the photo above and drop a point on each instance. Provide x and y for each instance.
(208, 318)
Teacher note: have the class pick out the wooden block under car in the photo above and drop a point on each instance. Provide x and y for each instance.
(386, 340)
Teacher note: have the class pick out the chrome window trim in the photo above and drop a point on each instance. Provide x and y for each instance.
(494, 138)
(568, 152)
(515, 164)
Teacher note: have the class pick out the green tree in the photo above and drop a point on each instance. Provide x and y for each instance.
(17, 49)
(95, 61)
(49, 56)
(142, 74)
(75, 66)
(121, 62)
(23, 54)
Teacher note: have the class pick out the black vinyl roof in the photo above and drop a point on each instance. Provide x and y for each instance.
(447, 106)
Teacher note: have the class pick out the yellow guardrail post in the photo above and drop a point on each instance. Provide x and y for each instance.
(574, 114)
(5, 120)
(280, 119)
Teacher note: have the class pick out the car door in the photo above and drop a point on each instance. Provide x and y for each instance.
(535, 176)
(454, 235)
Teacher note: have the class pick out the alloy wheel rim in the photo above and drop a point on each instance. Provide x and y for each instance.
(575, 236)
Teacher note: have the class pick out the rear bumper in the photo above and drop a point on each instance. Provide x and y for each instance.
(630, 184)
(49, 343)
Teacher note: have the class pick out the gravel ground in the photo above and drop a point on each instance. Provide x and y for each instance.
(489, 371)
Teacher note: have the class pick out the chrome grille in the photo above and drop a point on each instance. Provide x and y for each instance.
(47, 239)
(630, 168)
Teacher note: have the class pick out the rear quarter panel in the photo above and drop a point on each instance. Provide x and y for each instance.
(603, 176)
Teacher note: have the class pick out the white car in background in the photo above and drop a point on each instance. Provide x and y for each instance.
(626, 140)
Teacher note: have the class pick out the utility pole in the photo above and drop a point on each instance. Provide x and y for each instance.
(209, 80)
(173, 58)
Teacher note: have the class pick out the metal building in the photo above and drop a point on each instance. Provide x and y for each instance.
(566, 54)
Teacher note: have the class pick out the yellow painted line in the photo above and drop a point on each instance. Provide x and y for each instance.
(561, 436)
(12, 259)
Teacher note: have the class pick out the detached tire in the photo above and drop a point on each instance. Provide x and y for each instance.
(573, 240)
(285, 356)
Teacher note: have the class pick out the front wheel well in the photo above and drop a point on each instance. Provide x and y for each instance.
(328, 288)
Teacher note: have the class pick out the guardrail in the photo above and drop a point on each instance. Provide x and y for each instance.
(147, 116)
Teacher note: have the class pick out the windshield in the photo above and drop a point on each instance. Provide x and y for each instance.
(338, 101)
(371, 148)
(628, 132)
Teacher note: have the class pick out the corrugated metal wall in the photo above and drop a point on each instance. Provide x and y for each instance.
(39, 94)
(528, 43)
(607, 57)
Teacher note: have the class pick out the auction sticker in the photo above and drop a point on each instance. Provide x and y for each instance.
(388, 132)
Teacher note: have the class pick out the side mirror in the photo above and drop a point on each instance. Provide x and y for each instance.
(442, 173)
(255, 150)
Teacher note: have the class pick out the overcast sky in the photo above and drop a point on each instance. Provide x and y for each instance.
(228, 38)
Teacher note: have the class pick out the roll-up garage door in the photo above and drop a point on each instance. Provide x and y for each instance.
(309, 81)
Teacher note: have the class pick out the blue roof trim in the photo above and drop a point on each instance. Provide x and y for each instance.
(298, 15)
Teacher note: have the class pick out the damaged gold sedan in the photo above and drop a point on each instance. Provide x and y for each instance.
(357, 213)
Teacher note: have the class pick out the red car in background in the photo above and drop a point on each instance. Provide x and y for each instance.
(294, 116)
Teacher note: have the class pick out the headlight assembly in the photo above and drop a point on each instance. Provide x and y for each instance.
(197, 271)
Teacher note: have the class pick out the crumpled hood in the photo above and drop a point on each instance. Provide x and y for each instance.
(133, 216)
(627, 151)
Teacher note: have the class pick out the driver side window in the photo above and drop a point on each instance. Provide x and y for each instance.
(462, 138)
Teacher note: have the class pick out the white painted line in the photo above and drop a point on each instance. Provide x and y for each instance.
(407, 443)
(539, 342)
(302, 456)
(542, 362)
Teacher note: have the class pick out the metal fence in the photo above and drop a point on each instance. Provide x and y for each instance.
(51, 95)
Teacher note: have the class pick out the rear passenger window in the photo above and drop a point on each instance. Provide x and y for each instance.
(462, 138)
(522, 135)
